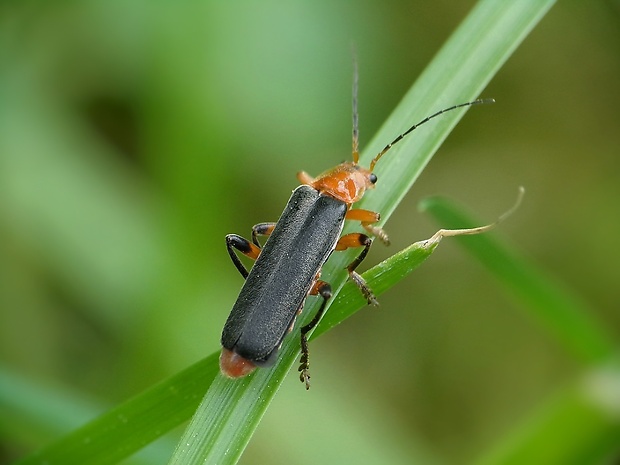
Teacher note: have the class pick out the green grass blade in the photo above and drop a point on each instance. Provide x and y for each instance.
(132, 425)
(563, 314)
(31, 412)
(380, 278)
(580, 423)
(230, 411)
(459, 73)
(138, 421)
(225, 421)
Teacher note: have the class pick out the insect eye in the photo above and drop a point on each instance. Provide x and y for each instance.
(372, 178)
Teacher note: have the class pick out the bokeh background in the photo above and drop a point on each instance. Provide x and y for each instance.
(134, 135)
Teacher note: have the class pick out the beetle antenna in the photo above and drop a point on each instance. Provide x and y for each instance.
(356, 153)
(480, 101)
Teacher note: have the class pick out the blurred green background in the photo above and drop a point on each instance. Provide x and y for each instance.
(135, 135)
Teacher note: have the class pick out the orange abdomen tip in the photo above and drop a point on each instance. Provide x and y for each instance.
(234, 365)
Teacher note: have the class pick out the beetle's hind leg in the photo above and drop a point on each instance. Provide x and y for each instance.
(247, 248)
(323, 289)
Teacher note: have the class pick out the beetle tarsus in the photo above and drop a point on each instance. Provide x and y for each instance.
(378, 232)
(304, 367)
(304, 362)
(363, 287)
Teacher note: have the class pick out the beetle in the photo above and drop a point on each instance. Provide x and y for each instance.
(288, 268)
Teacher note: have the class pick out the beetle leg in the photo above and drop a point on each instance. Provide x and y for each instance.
(233, 241)
(358, 240)
(367, 218)
(305, 178)
(261, 229)
(377, 232)
(323, 289)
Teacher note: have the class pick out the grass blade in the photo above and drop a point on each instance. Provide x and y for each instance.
(154, 412)
(130, 426)
(228, 415)
(563, 314)
(225, 421)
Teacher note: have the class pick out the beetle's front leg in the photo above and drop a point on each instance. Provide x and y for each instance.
(367, 218)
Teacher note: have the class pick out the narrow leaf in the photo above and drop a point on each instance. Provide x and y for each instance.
(460, 71)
